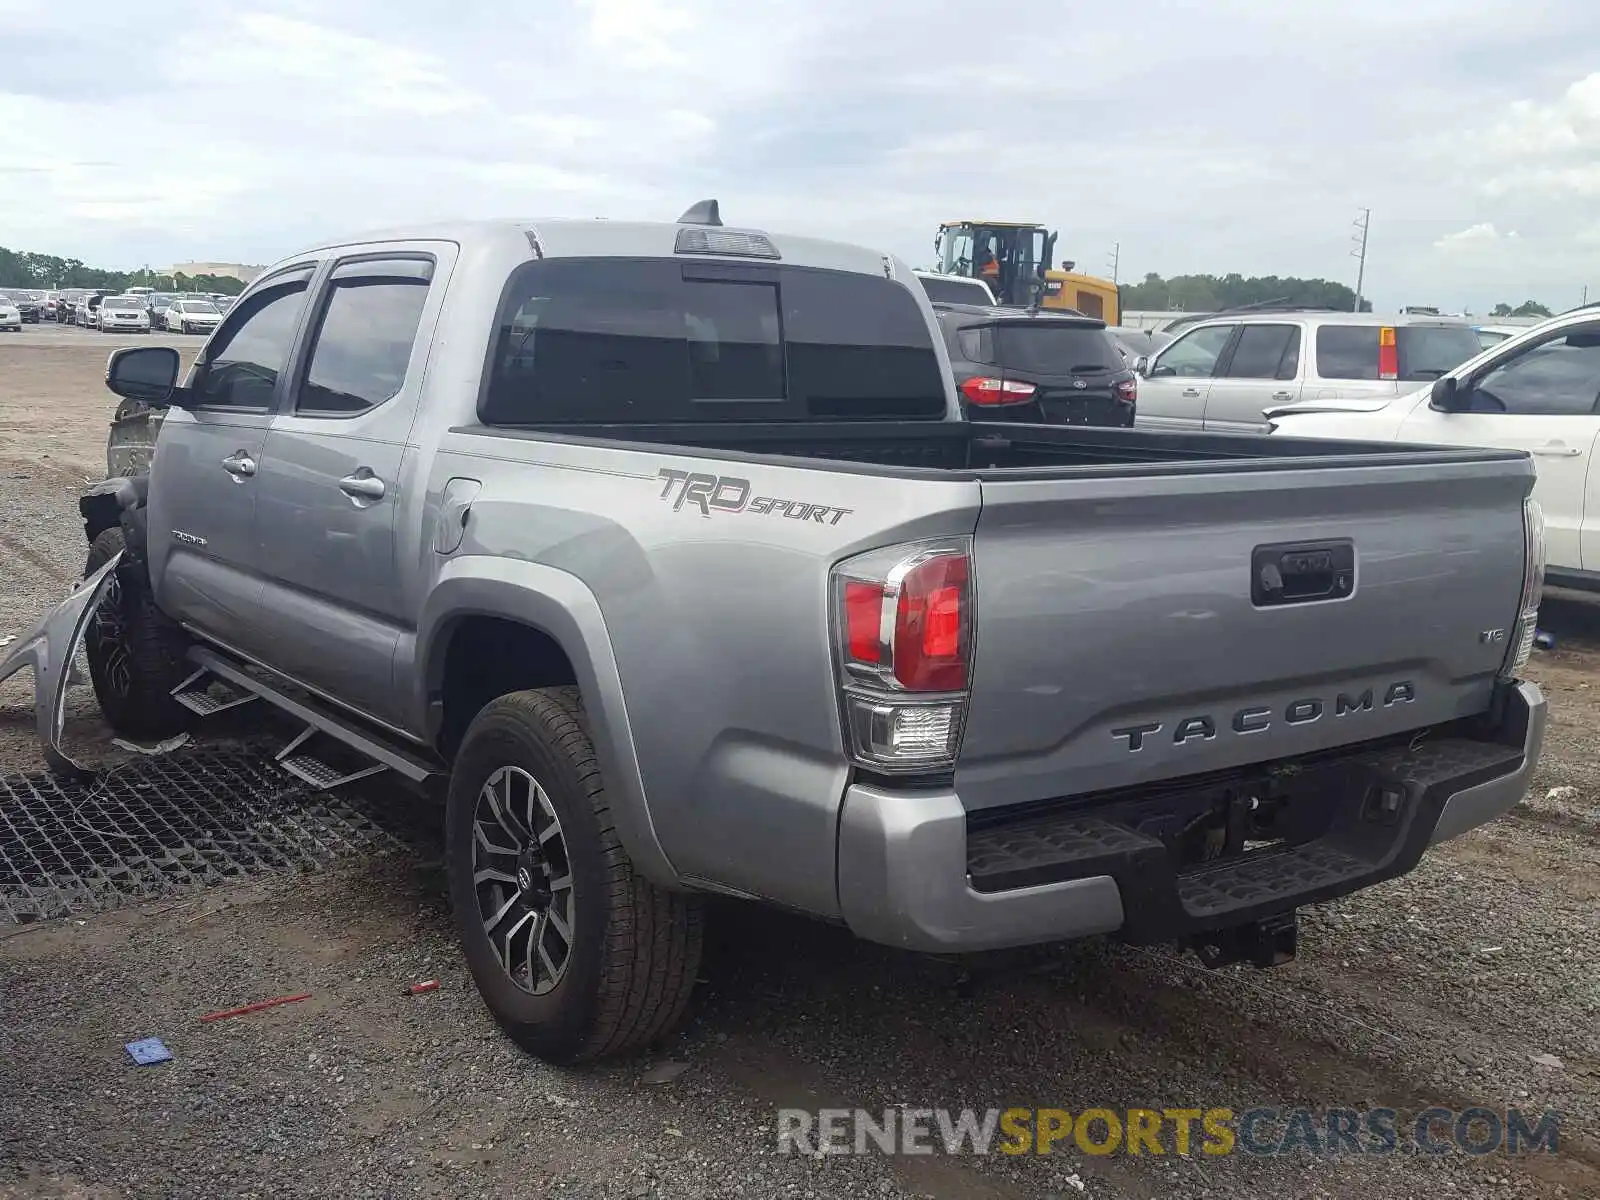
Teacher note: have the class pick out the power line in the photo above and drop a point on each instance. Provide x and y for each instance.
(1360, 252)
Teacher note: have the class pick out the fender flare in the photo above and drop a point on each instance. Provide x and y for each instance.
(560, 606)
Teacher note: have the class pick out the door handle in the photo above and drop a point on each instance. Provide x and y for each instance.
(1283, 395)
(239, 464)
(1191, 392)
(363, 485)
(1556, 450)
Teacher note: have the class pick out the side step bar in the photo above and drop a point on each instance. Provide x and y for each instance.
(315, 769)
(205, 693)
(241, 685)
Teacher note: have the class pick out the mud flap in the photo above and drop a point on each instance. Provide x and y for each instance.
(49, 648)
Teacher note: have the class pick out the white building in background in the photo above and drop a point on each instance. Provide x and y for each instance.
(243, 272)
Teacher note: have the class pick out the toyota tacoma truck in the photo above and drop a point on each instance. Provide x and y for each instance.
(662, 551)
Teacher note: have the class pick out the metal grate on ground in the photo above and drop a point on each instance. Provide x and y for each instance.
(167, 826)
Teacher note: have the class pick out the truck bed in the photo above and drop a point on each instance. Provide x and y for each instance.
(1009, 450)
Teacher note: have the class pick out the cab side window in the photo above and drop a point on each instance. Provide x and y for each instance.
(1195, 354)
(248, 354)
(1558, 377)
(363, 343)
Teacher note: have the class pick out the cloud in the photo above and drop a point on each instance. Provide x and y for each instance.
(1567, 128)
(250, 130)
(1473, 236)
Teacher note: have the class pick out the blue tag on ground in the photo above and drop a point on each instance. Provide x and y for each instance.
(148, 1051)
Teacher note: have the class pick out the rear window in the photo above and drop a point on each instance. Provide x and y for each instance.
(1425, 351)
(1051, 348)
(618, 341)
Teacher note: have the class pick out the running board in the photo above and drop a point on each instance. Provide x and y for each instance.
(296, 758)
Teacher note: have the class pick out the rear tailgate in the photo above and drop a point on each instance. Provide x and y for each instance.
(1117, 639)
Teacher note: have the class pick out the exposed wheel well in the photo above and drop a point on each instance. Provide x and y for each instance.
(117, 501)
(100, 513)
(488, 657)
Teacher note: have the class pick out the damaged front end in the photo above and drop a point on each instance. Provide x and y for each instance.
(49, 648)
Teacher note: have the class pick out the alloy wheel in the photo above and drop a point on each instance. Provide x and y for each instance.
(523, 879)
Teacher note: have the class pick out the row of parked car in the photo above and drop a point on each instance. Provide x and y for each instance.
(138, 311)
(1320, 373)
(1217, 372)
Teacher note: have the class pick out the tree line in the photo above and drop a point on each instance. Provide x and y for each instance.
(1185, 293)
(1528, 308)
(24, 269)
(1208, 293)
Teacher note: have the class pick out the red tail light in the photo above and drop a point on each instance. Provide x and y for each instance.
(930, 626)
(863, 620)
(924, 602)
(990, 392)
(1128, 391)
(1388, 354)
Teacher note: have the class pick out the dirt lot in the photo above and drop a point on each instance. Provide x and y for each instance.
(1443, 988)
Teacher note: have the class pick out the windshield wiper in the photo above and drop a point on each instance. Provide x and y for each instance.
(1089, 368)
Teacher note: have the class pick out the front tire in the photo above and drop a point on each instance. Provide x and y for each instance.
(136, 652)
(576, 955)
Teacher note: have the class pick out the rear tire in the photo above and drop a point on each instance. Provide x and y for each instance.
(629, 965)
(136, 652)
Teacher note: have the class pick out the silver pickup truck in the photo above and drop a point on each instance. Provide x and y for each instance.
(663, 550)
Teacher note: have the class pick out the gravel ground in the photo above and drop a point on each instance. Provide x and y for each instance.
(1440, 988)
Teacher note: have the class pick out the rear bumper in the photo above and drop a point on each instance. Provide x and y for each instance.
(912, 874)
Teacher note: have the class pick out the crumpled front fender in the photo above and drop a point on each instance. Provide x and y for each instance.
(48, 648)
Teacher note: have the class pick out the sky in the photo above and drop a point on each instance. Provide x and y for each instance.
(1203, 137)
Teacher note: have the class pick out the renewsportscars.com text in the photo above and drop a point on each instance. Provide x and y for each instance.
(1166, 1131)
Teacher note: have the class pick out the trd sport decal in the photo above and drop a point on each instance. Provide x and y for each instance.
(730, 494)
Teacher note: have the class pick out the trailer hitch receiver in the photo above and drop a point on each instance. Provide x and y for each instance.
(1269, 942)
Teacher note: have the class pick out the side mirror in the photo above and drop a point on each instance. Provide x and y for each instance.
(1446, 396)
(145, 373)
(1141, 365)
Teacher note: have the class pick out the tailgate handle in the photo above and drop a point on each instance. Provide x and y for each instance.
(1302, 572)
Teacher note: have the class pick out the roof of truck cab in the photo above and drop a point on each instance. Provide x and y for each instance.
(598, 237)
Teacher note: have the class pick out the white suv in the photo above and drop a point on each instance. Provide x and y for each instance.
(1538, 391)
(1222, 372)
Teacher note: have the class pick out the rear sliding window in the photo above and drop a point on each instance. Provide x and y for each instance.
(620, 341)
(1425, 351)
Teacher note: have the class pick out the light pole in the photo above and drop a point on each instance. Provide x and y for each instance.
(1360, 252)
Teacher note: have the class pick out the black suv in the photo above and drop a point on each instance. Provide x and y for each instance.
(1021, 365)
(27, 305)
